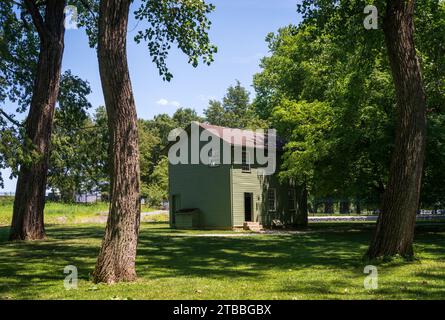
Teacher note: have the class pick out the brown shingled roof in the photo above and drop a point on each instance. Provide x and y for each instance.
(249, 137)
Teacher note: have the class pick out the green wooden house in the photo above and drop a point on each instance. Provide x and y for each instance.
(226, 196)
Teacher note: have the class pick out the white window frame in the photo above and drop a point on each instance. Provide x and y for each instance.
(274, 208)
(247, 162)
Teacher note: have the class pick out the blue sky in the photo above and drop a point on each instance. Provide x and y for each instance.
(239, 28)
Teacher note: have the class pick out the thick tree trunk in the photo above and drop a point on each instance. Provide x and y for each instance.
(27, 221)
(395, 227)
(116, 261)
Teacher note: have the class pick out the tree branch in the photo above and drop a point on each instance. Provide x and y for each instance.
(11, 119)
(87, 6)
(37, 19)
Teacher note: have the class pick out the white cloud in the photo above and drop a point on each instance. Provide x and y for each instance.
(168, 103)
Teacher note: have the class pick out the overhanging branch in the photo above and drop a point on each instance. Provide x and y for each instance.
(9, 118)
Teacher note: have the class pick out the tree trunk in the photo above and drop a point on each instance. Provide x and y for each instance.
(358, 207)
(302, 210)
(329, 206)
(27, 221)
(395, 227)
(317, 206)
(345, 207)
(116, 260)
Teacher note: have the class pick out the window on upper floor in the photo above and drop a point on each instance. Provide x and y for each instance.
(245, 161)
(272, 199)
(214, 159)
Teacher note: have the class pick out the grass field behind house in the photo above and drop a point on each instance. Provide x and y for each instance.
(61, 213)
(323, 263)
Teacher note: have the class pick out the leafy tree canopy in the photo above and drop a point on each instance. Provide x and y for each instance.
(328, 90)
(234, 111)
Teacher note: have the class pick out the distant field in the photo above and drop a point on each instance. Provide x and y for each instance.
(62, 213)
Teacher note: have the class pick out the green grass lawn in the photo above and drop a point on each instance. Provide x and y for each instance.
(324, 263)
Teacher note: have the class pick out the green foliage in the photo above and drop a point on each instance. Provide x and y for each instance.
(235, 110)
(308, 125)
(331, 110)
(433, 192)
(15, 149)
(73, 101)
(156, 190)
(182, 22)
(153, 139)
(19, 47)
(79, 145)
(88, 18)
(430, 26)
(149, 145)
(19, 50)
(184, 116)
(330, 59)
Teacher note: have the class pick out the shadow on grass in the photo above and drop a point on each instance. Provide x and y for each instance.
(29, 267)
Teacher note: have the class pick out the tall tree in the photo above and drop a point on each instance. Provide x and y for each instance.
(183, 22)
(395, 226)
(235, 110)
(118, 252)
(31, 49)
(336, 126)
(19, 46)
(27, 221)
(342, 23)
(184, 116)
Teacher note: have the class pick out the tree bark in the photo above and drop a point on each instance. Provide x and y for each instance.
(116, 260)
(329, 206)
(301, 220)
(345, 207)
(358, 207)
(395, 227)
(27, 221)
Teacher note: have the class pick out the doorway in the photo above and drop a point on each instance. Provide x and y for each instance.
(248, 207)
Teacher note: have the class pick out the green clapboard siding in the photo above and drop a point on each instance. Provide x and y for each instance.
(242, 183)
(204, 188)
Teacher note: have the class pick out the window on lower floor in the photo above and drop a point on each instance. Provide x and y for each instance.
(272, 199)
(291, 198)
